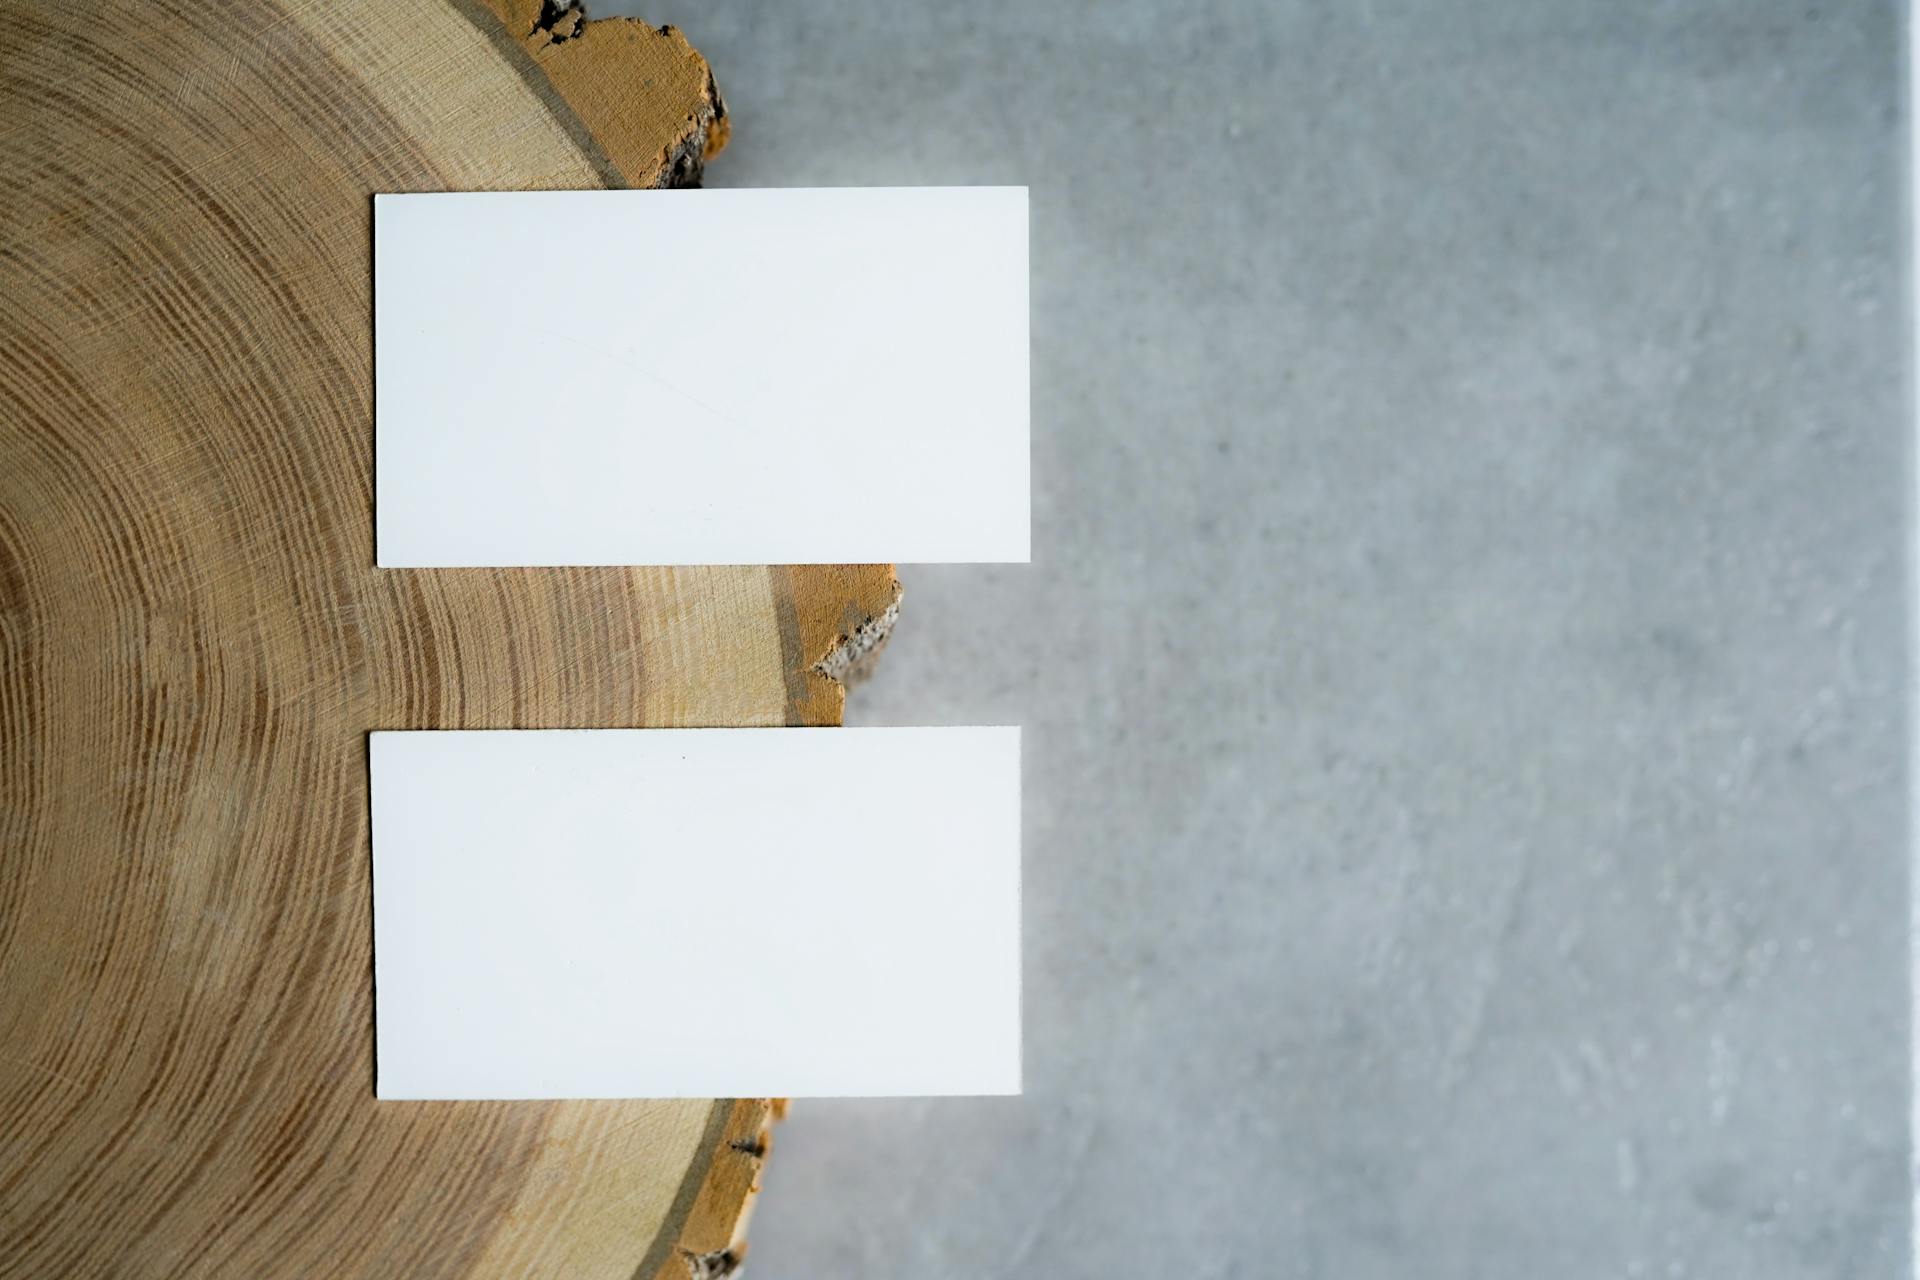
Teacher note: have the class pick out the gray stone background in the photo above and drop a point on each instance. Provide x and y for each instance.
(1463, 658)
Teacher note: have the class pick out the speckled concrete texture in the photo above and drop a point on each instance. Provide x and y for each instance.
(1463, 659)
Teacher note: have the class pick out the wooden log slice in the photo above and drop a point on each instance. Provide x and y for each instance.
(194, 644)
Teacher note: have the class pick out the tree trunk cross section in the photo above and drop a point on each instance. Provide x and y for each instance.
(194, 644)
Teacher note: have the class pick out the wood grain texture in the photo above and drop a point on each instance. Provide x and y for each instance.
(194, 644)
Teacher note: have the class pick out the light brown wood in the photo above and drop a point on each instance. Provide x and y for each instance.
(194, 644)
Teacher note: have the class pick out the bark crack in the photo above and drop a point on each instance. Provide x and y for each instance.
(559, 22)
(717, 1265)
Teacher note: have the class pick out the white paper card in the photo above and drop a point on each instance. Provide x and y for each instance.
(824, 376)
(696, 912)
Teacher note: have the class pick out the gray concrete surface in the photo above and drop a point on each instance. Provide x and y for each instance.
(1462, 661)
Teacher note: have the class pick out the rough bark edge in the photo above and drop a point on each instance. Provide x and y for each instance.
(713, 1243)
(834, 621)
(853, 657)
(621, 76)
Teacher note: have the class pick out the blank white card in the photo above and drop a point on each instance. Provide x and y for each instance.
(824, 376)
(696, 912)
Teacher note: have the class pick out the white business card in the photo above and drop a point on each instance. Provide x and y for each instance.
(816, 376)
(696, 912)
